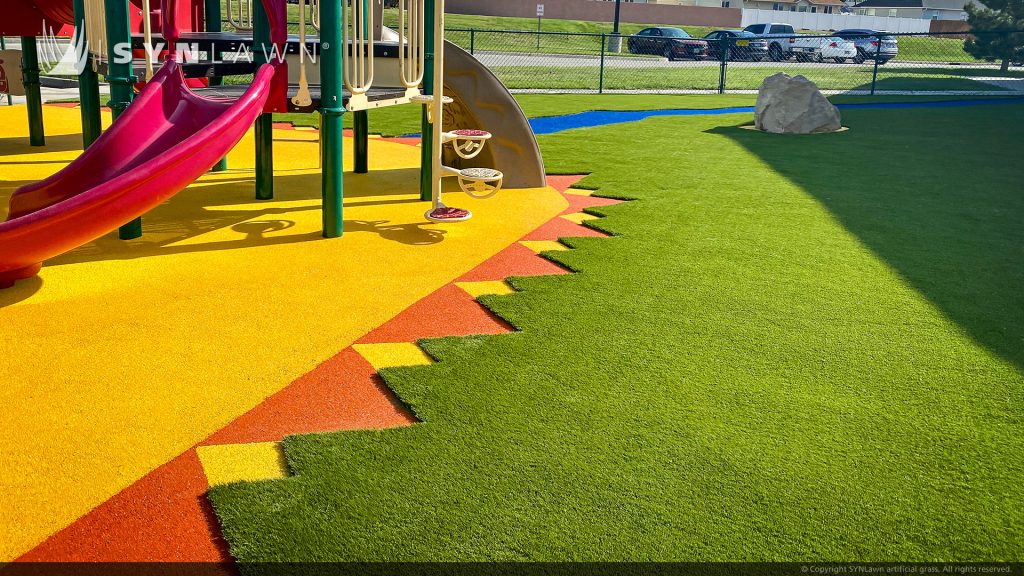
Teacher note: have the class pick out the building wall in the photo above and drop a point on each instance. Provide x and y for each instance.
(809, 21)
(602, 11)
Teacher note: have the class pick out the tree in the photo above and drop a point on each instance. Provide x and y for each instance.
(989, 19)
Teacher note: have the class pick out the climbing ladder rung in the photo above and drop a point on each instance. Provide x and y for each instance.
(474, 135)
(429, 99)
(480, 174)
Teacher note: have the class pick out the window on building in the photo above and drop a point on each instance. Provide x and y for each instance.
(828, 10)
(777, 7)
(893, 12)
(725, 3)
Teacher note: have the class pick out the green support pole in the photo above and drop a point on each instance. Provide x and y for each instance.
(427, 129)
(214, 23)
(121, 80)
(264, 124)
(88, 88)
(361, 133)
(331, 109)
(30, 73)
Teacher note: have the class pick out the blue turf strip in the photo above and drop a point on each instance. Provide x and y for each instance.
(594, 118)
(554, 124)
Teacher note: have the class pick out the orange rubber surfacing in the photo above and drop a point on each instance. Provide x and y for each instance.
(123, 356)
(165, 517)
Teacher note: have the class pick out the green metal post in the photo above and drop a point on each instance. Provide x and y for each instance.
(120, 78)
(426, 128)
(88, 87)
(212, 14)
(3, 46)
(30, 73)
(361, 134)
(265, 123)
(874, 73)
(331, 109)
(600, 79)
(724, 47)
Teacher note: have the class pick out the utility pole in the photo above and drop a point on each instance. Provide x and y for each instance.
(615, 41)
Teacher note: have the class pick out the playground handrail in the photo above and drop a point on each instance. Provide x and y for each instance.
(244, 21)
(411, 52)
(96, 29)
(357, 59)
(147, 35)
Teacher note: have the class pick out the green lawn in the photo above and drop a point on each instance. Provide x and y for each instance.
(691, 77)
(401, 120)
(795, 348)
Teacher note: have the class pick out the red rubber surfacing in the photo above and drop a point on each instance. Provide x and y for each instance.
(165, 516)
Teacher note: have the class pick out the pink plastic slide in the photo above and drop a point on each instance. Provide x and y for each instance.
(166, 139)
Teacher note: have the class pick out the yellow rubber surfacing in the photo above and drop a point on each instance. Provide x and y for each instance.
(125, 354)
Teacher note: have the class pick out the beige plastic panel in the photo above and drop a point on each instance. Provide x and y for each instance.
(482, 102)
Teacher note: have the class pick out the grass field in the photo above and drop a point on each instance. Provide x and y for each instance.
(402, 120)
(804, 348)
(683, 77)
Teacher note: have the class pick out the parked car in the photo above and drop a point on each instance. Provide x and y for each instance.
(836, 49)
(781, 40)
(742, 45)
(867, 42)
(671, 43)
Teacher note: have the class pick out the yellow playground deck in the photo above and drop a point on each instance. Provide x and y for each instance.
(122, 355)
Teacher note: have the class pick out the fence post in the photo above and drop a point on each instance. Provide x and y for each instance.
(600, 82)
(472, 41)
(724, 45)
(878, 53)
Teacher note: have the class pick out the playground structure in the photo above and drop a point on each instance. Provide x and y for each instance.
(186, 118)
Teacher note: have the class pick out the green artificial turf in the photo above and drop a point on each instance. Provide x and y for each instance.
(683, 77)
(402, 120)
(795, 348)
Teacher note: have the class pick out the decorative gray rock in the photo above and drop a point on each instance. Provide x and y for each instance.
(794, 105)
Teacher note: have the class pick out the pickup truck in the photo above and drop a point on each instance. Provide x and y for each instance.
(784, 43)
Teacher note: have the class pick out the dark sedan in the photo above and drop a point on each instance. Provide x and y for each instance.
(738, 45)
(671, 43)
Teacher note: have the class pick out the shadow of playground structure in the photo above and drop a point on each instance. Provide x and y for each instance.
(932, 205)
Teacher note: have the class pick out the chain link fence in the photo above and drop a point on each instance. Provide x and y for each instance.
(865, 63)
(848, 63)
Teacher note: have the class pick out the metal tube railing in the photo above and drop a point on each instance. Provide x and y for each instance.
(240, 14)
(147, 35)
(96, 29)
(358, 55)
(411, 32)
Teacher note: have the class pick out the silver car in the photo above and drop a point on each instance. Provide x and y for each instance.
(870, 43)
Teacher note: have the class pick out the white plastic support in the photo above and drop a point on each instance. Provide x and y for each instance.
(357, 57)
(240, 15)
(480, 183)
(428, 101)
(303, 98)
(147, 38)
(411, 44)
(314, 14)
(467, 143)
(96, 30)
